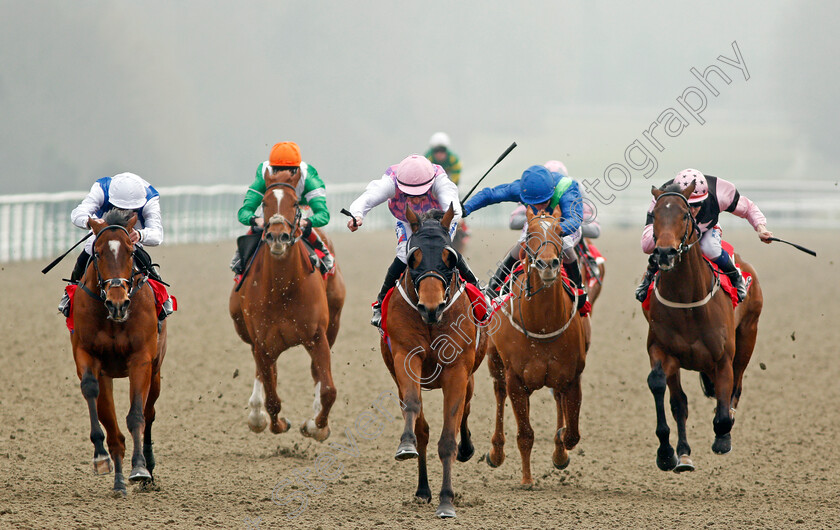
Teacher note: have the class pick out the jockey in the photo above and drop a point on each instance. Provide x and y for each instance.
(440, 154)
(711, 196)
(310, 191)
(129, 192)
(417, 183)
(538, 188)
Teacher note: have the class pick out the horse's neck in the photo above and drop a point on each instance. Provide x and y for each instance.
(547, 309)
(689, 280)
(284, 274)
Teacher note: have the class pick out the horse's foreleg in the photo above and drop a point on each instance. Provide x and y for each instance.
(139, 385)
(560, 458)
(568, 427)
(408, 370)
(115, 440)
(267, 370)
(497, 371)
(465, 445)
(454, 382)
(665, 457)
(745, 337)
(520, 400)
(87, 369)
(679, 409)
(149, 415)
(723, 417)
(421, 428)
(325, 391)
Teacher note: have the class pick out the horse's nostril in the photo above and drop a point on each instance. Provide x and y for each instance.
(555, 263)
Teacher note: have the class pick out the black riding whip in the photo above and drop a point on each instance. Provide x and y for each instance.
(502, 157)
(794, 245)
(56, 261)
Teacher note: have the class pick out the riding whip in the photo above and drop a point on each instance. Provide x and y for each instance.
(507, 151)
(55, 262)
(798, 247)
(346, 212)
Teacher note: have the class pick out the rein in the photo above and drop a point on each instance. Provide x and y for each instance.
(683, 248)
(127, 283)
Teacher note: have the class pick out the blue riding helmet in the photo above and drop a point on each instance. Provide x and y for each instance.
(537, 185)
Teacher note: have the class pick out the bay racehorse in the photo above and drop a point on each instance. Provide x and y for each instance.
(693, 326)
(116, 335)
(431, 341)
(282, 303)
(542, 343)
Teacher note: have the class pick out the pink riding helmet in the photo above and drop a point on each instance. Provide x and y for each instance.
(556, 166)
(701, 188)
(415, 175)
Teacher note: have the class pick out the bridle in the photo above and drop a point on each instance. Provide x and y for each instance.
(277, 218)
(684, 245)
(534, 263)
(128, 284)
(682, 249)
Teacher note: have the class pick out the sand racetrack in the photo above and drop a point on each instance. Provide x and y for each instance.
(213, 472)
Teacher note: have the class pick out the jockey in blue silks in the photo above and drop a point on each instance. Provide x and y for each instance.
(538, 189)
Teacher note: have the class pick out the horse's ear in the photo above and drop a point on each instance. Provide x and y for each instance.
(96, 224)
(656, 192)
(131, 222)
(412, 218)
(529, 214)
(448, 216)
(689, 190)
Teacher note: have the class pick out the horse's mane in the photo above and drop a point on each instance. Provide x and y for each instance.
(672, 187)
(435, 214)
(118, 216)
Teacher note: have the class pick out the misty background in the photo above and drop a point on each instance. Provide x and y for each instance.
(196, 92)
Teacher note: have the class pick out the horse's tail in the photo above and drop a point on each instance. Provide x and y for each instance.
(707, 385)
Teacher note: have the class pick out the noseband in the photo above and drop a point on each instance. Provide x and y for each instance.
(104, 284)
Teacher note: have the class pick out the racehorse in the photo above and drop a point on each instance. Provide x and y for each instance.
(430, 341)
(116, 335)
(692, 325)
(282, 303)
(542, 342)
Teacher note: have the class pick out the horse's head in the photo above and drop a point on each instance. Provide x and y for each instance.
(544, 244)
(113, 260)
(673, 224)
(432, 262)
(281, 210)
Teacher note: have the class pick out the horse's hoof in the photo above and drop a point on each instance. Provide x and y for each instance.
(465, 453)
(406, 451)
(102, 465)
(564, 465)
(139, 473)
(279, 429)
(667, 463)
(723, 444)
(148, 485)
(118, 493)
(490, 462)
(310, 430)
(684, 464)
(424, 497)
(258, 422)
(445, 510)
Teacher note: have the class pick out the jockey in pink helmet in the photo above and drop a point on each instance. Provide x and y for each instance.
(710, 197)
(423, 186)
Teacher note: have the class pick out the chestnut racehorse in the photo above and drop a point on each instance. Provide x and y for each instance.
(282, 303)
(116, 335)
(542, 343)
(432, 343)
(692, 325)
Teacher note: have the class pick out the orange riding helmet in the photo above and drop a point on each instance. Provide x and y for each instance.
(285, 154)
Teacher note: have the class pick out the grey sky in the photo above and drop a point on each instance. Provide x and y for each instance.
(192, 92)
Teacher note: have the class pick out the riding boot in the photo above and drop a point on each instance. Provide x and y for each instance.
(75, 276)
(642, 289)
(728, 267)
(236, 264)
(394, 271)
(467, 273)
(143, 262)
(327, 262)
(573, 272)
(497, 280)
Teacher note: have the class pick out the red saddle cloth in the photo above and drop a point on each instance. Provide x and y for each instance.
(568, 286)
(159, 290)
(725, 282)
